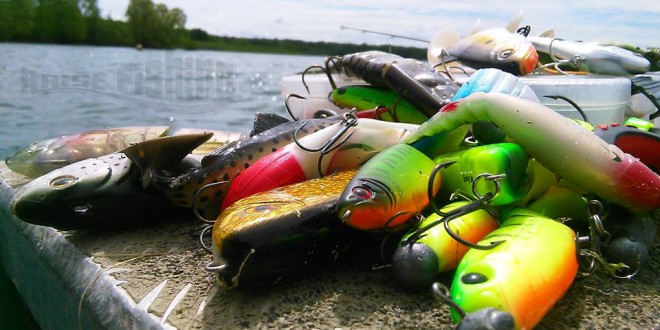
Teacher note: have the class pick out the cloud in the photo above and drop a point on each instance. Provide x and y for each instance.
(633, 21)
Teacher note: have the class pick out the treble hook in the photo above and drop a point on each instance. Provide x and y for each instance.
(574, 61)
(286, 104)
(571, 102)
(330, 79)
(596, 234)
(349, 121)
(479, 203)
(198, 195)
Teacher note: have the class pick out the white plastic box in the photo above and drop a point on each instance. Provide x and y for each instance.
(603, 99)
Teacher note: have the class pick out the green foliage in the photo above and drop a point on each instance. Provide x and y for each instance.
(59, 21)
(149, 24)
(156, 25)
(16, 17)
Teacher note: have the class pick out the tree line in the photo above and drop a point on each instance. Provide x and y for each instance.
(80, 22)
(149, 24)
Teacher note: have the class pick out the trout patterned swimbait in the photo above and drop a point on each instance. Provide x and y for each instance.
(226, 163)
(293, 164)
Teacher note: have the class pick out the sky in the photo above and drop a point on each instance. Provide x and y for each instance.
(633, 21)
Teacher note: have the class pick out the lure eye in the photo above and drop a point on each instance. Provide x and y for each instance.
(361, 192)
(506, 53)
(474, 278)
(63, 181)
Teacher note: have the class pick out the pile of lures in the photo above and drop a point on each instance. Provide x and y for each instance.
(430, 175)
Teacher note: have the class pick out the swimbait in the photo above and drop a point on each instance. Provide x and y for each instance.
(107, 191)
(559, 144)
(638, 143)
(524, 276)
(416, 82)
(418, 263)
(494, 48)
(271, 133)
(369, 98)
(593, 58)
(278, 233)
(388, 190)
(293, 164)
(48, 155)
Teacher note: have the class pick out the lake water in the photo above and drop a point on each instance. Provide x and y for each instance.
(51, 90)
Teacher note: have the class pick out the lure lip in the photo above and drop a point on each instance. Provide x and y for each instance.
(529, 61)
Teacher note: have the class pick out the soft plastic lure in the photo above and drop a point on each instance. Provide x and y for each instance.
(638, 143)
(508, 159)
(360, 140)
(559, 144)
(271, 133)
(107, 191)
(418, 263)
(388, 190)
(276, 233)
(369, 98)
(524, 276)
(48, 155)
(593, 58)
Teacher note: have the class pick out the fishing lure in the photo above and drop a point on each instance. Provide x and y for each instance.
(417, 263)
(494, 48)
(415, 81)
(590, 57)
(48, 155)
(388, 190)
(271, 133)
(319, 154)
(507, 159)
(369, 97)
(108, 191)
(278, 233)
(523, 276)
(560, 144)
(561, 203)
(636, 142)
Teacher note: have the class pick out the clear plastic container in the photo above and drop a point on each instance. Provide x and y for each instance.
(603, 99)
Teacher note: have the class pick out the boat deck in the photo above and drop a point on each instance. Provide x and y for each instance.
(153, 277)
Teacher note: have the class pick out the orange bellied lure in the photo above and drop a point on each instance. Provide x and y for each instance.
(523, 276)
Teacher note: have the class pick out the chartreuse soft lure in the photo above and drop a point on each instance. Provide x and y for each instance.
(508, 159)
(388, 190)
(370, 98)
(559, 144)
(523, 276)
(418, 263)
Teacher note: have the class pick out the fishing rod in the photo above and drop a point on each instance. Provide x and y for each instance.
(383, 33)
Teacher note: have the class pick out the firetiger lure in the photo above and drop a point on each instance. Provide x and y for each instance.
(524, 276)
